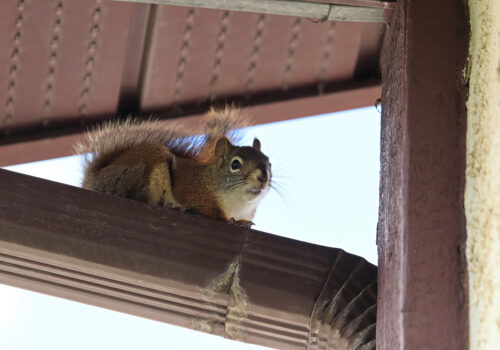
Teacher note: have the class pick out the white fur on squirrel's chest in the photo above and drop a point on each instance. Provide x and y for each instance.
(238, 209)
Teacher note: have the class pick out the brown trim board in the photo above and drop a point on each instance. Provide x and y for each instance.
(59, 143)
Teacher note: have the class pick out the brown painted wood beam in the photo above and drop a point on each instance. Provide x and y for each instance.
(58, 142)
(421, 233)
(183, 269)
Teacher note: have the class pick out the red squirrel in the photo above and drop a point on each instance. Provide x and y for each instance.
(164, 164)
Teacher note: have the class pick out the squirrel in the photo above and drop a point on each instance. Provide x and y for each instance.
(167, 165)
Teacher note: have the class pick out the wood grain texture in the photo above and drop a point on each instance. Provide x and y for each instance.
(421, 232)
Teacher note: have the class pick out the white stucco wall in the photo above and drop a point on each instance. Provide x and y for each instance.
(482, 192)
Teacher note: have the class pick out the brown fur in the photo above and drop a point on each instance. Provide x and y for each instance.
(165, 164)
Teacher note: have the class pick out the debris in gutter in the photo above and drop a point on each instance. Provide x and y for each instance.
(227, 283)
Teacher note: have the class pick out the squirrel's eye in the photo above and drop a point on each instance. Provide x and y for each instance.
(235, 165)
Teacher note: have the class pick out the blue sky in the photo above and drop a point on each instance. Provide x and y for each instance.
(328, 170)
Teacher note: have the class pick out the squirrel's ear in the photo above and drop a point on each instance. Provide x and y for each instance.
(256, 144)
(222, 146)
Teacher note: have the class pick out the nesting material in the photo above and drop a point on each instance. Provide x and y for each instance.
(228, 283)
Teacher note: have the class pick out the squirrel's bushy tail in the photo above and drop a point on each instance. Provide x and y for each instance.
(224, 122)
(113, 136)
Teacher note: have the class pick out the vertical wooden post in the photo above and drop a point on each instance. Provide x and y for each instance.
(422, 301)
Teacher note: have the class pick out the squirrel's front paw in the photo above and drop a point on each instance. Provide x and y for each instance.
(184, 209)
(176, 207)
(191, 211)
(242, 223)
